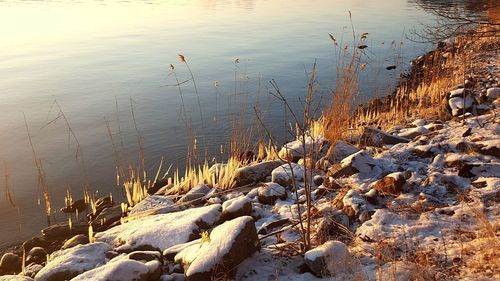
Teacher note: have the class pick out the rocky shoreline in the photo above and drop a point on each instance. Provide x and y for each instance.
(417, 202)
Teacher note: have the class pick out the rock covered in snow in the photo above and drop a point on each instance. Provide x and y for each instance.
(228, 245)
(195, 195)
(458, 103)
(254, 173)
(330, 259)
(336, 153)
(161, 231)
(361, 162)
(270, 192)
(376, 137)
(282, 175)
(392, 184)
(66, 264)
(151, 202)
(236, 207)
(493, 93)
(123, 270)
(412, 133)
(297, 149)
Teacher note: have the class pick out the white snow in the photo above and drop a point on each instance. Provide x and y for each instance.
(122, 270)
(296, 149)
(151, 202)
(205, 256)
(161, 231)
(493, 93)
(283, 174)
(457, 103)
(76, 260)
(235, 204)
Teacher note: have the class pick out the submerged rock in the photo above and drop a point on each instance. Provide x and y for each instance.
(228, 245)
(77, 206)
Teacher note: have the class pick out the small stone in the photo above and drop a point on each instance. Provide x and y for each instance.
(236, 207)
(36, 255)
(270, 192)
(391, 184)
(10, 264)
(77, 206)
(318, 180)
(195, 195)
(75, 240)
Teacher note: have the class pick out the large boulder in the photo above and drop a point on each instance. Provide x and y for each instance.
(161, 231)
(282, 175)
(256, 172)
(330, 259)
(66, 264)
(122, 270)
(227, 246)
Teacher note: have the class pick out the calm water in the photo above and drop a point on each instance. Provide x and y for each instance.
(93, 57)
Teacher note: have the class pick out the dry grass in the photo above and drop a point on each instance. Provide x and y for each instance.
(423, 92)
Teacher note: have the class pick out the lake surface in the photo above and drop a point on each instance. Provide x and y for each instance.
(97, 58)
